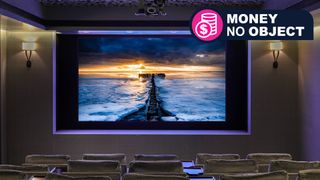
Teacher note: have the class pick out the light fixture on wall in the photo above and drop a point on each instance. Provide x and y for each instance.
(151, 8)
(28, 47)
(276, 47)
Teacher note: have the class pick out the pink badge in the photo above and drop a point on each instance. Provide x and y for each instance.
(207, 25)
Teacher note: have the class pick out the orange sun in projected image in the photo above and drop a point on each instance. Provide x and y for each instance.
(133, 70)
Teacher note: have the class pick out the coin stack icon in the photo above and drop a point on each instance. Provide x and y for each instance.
(210, 18)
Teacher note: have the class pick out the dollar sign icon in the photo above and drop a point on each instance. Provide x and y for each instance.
(203, 29)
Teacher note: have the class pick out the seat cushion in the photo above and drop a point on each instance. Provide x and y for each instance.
(278, 175)
(134, 176)
(11, 175)
(174, 167)
(33, 168)
(93, 166)
(292, 166)
(266, 158)
(155, 157)
(64, 177)
(202, 157)
(47, 159)
(115, 157)
(93, 178)
(230, 166)
(53, 176)
(112, 175)
(310, 174)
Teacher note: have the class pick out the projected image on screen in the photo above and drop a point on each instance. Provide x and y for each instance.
(167, 79)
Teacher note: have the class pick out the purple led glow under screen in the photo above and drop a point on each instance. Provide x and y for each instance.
(150, 79)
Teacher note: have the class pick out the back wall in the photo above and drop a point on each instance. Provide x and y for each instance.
(29, 110)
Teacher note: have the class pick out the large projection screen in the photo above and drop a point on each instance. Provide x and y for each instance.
(150, 82)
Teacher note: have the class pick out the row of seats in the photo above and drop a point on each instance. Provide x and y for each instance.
(129, 176)
(149, 167)
(292, 168)
(260, 158)
(280, 175)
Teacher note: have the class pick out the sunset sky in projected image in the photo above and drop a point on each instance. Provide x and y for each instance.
(129, 56)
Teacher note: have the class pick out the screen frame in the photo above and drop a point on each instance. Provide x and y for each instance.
(64, 120)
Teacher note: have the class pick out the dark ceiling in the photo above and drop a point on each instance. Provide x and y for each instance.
(179, 3)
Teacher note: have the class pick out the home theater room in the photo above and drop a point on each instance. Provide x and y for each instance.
(160, 90)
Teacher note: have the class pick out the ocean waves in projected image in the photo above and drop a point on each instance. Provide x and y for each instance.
(194, 99)
(108, 99)
(181, 99)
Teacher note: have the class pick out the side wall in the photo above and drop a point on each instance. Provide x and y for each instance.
(309, 78)
(29, 111)
(3, 56)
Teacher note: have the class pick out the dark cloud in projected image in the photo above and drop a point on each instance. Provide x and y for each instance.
(166, 50)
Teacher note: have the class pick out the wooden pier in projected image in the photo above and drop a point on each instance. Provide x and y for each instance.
(152, 111)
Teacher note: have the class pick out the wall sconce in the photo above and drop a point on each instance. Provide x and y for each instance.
(28, 47)
(276, 47)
